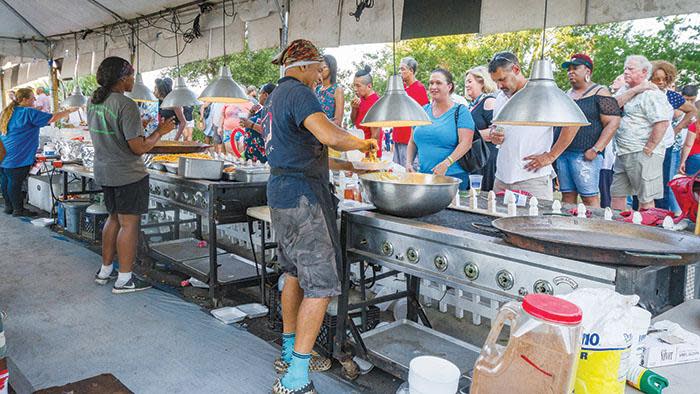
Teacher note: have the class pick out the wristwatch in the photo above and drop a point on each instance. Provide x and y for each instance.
(597, 152)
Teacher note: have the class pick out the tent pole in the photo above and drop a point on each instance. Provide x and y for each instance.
(54, 83)
(2, 87)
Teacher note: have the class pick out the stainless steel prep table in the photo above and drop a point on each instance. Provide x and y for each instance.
(220, 202)
(460, 250)
(683, 378)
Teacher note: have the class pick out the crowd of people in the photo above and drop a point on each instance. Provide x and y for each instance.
(641, 132)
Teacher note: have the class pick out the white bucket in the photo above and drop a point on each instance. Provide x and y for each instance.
(432, 375)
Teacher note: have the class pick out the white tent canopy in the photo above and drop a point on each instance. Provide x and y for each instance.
(41, 29)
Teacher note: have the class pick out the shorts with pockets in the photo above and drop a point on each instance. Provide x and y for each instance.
(636, 174)
(305, 249)
(576, 174)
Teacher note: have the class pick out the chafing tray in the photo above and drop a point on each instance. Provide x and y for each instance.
(397, 343)
(200, 168)
(252, 174)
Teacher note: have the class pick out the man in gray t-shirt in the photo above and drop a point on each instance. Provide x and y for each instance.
(112, 123)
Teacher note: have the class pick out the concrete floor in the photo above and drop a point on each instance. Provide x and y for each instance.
(62, 327)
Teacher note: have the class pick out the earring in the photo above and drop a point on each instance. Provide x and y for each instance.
(588, 78)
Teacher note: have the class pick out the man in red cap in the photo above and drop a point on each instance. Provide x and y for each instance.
(579, 167)
(303, 208)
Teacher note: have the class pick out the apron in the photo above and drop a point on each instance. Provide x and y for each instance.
(315, 176)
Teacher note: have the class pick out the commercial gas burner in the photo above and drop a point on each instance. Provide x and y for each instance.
(461, 250)
(220, 202)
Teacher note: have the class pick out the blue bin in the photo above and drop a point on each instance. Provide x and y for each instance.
(73, 211)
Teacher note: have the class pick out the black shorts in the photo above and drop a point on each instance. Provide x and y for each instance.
(131, 199)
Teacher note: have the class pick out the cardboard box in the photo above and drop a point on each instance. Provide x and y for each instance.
(662, 349)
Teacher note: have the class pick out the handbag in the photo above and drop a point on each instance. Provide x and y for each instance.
(477, 156)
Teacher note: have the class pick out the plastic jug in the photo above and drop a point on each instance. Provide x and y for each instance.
(542, 350)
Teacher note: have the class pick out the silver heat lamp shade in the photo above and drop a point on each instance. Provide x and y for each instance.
(76, 99)
(181, 96)
(140, 92)
(224, 89)
(395, 108)
(541, 103)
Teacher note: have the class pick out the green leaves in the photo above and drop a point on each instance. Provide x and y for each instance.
(607, 44)
(247, 67)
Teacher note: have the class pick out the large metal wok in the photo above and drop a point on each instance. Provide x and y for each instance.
(409, 195)
(600, 241)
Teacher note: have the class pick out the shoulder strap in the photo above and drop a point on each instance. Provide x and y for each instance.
(595, 85)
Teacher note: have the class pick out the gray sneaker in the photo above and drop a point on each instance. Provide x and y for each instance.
(278, 388)
(133, 285)
(104, 281)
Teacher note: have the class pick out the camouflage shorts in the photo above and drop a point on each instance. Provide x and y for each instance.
(305, 249)
(3, 349)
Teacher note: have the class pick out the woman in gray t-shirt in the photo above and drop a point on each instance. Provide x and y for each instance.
(117, 134)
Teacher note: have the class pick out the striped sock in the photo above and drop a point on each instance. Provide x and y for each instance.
(297, 375)
(288, 346)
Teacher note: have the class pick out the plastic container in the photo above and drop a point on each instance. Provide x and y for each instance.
(542, 350)
(432, 375)
(73, 211)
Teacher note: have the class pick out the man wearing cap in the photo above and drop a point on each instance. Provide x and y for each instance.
(303, 208)
(579, 167)
(527, 152)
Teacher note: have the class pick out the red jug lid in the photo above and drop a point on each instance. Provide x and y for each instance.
(553, 309)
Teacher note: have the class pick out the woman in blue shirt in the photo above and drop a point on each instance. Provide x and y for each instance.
(19, 132)
(441, 144)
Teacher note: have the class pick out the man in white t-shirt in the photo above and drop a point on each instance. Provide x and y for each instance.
(526, 152)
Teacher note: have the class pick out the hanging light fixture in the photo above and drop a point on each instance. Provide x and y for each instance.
(181, 95)
(541, 102)
(396, 108)
(76, 99)
(224, 89)
(140, 92)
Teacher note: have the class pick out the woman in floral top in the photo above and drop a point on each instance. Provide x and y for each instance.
(330, 93)
(254, 142)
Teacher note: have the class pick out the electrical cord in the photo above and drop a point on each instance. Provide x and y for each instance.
(361, 6)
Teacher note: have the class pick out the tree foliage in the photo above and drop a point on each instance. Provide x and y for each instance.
(88, 84)
(247, 67)
(607, 44)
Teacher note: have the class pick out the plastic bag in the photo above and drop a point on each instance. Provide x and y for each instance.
(606, 341)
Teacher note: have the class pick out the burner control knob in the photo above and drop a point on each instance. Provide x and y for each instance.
(522, 292)
(543, 287)
(174, 194)
(198, 199)
(166, 193)
(504, 279)
(440, 263)
(387, 248)
(471, 271)
(156, 191)
(412, 255)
